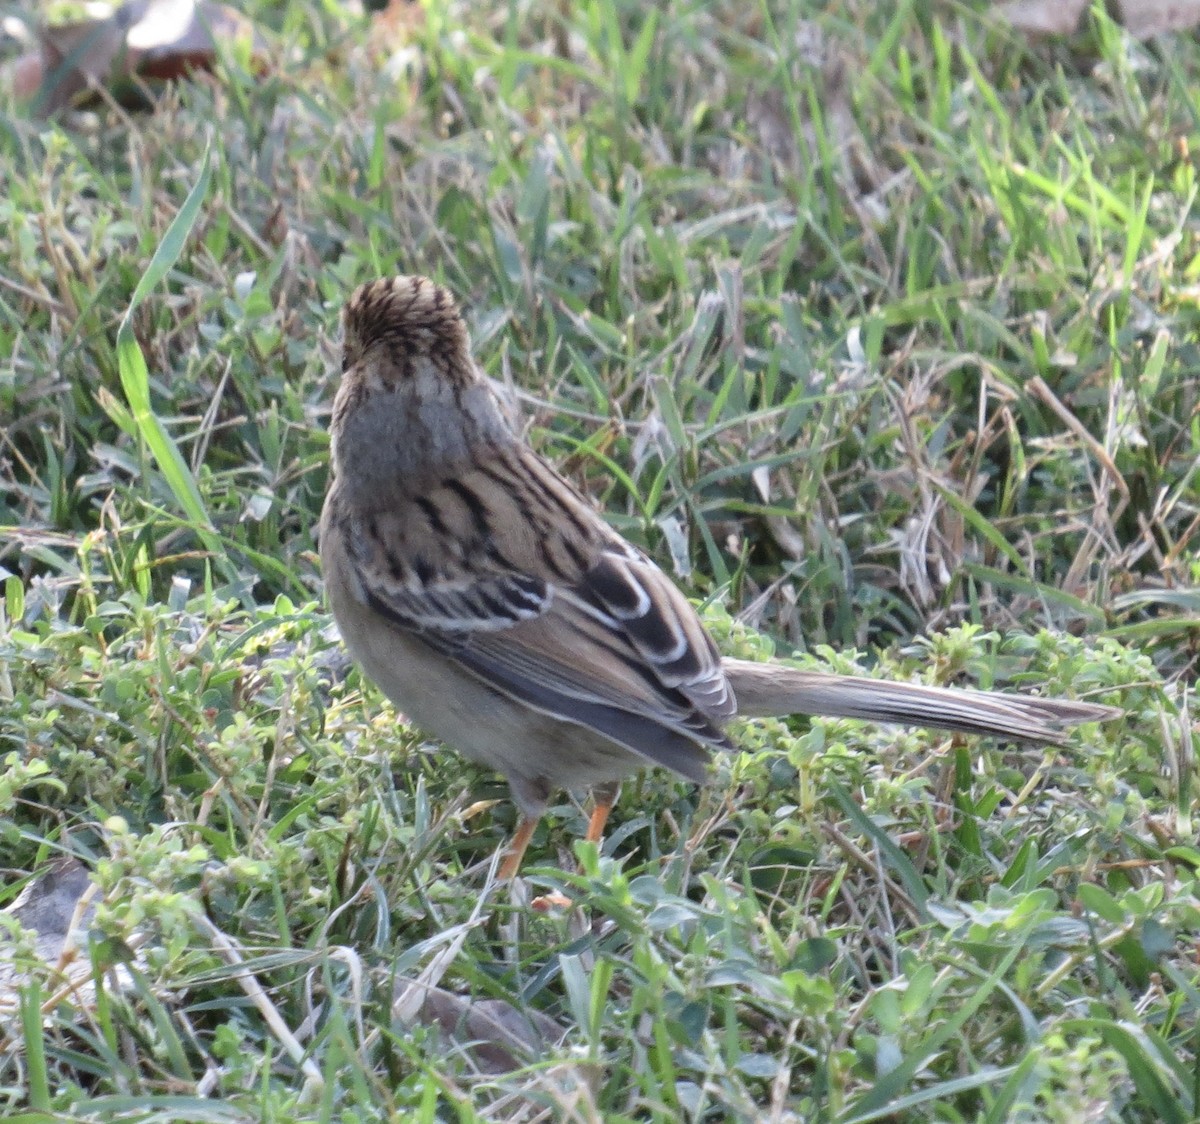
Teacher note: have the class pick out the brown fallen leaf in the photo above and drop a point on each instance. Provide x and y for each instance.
(497, 1036)
(143, 41)
(53, 905)
(1043, 17)
(56, 907)
(1143, 19)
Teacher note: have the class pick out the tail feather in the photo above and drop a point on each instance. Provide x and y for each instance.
(774, 690)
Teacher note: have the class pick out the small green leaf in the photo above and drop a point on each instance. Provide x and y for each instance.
(1101, 903)
(14, 598)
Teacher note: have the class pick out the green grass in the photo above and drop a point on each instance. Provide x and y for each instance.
(874, 325)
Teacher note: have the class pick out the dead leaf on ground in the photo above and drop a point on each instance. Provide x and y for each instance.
(1143, 19)
(141, 42)
(497, 1038)
(1043, 17)
(496, 1035)
(56, 906)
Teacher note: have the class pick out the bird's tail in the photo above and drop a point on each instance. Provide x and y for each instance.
(773, 690)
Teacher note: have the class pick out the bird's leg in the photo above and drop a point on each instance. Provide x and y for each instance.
(515, 851)
(603, 798)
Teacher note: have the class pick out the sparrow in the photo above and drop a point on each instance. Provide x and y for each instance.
(495, 607)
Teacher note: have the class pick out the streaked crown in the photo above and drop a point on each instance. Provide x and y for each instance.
(409, 318)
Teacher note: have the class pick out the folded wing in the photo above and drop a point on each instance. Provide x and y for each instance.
(507, 571)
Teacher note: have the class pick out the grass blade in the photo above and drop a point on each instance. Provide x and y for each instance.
(135, 376)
